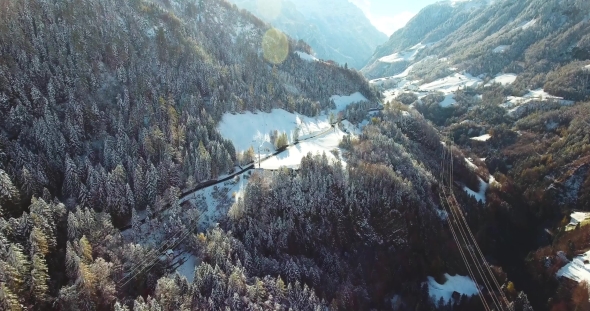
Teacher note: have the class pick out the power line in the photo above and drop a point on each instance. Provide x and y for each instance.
(154, 252)
(463, 257)
(139, 268)
(465, 224)
(155, 260)
(455, 210)
(470, 240)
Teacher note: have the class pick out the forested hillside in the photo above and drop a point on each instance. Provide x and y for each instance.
(121, 186)
(98, 95)
(109, 109)
(507, 82)
(538, 40)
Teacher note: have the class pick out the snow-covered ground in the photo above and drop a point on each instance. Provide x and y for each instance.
(448, 101)
(399, 76)
(214, 202)
(517, 105)
(528, 24)
(451, 83)
(470, 164)
(578, 217)
(458, 283)
(306, 56)
(501, 48)
(577, 270)
(343, 101)
(481, 195)
(484, 137)
(581, 218)
(505, 79)
(407, 55)
(253, 129)
(291, 158)
(187, 269)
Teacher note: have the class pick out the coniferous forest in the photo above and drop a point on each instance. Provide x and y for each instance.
(109, 125)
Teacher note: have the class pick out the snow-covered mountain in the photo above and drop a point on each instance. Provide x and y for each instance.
(336, 29)
(528, 38)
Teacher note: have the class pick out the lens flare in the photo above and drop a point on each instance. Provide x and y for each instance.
(275, 46)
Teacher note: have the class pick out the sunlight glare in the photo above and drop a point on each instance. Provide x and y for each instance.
(275, 46)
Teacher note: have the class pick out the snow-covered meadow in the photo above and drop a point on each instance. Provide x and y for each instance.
(458, 283)
(316, 134)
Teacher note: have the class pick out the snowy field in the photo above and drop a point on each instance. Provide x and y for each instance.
(484, 137)
(480, 196)
(253, 130)
(448, 101)
(291, 158)
(577, 218)
(577, 270)
(504, 79)
(460, 284)
(451, 83)
(516, 105)
(538, 94)
(407, 55)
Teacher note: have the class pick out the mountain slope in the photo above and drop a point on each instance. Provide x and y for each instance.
(336, 29)
(529, 38)
(111, 107)
(509, 82)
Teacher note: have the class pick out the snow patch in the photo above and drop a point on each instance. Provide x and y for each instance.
(187, 269)
(407, 55)
(485, 137)
(451, 83)
(578, 218)
(481, 195)
(252, 130)
(529, 24)
(350, 128)
(551, 125)
(577, 270)
(291, 158)
(516, 105)
(151, 32)
(501, 49)
(249, 129)
(458, 283)
(343, 101)
(307, 57)
(448, 101)
(504, 79)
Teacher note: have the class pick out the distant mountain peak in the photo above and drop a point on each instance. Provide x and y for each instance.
(336, 30)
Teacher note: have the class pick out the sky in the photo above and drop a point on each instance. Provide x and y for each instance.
(390, 15)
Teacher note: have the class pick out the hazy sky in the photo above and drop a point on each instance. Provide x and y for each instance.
(390, 15)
